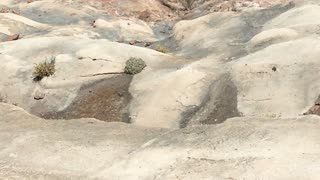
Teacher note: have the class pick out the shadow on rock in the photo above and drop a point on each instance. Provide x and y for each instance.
(105, 100)
(220, 104)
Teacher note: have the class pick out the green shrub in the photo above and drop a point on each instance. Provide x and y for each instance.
(44, 69)
(134, 66)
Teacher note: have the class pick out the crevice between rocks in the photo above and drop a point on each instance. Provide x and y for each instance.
(219, 104)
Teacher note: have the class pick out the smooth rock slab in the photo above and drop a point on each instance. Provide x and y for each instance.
(280, 80)
(62, 149)
(240, 148)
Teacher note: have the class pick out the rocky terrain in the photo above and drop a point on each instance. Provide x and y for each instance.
(230, 89)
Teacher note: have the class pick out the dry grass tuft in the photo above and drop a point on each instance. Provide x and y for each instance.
(44, 69)
(161, 48)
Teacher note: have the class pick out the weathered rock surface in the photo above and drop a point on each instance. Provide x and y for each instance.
(262, 59)
(227, 98)
(74, 57)
(240, 148)
(63, 149)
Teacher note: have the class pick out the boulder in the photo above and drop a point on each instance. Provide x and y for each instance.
(74, 57)
(126, 29)
(278, 81)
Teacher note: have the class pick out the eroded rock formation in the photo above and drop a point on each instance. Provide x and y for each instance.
(226, 93)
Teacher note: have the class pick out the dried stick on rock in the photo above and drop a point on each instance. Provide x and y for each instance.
(102, 74)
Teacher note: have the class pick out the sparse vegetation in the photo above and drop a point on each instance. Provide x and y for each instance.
(187, 3)
(162, 48)
(134, 66)
(44, 69)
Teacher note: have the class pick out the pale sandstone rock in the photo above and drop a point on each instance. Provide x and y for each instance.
(261, 64)
(301, 16)
(75, 57)
(240, 148)
(273, 36)
(278, 81)
(127, 29)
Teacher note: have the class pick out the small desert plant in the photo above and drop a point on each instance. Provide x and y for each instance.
(134, 66)
(161, 48)
(187, 3)
(44, 69)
